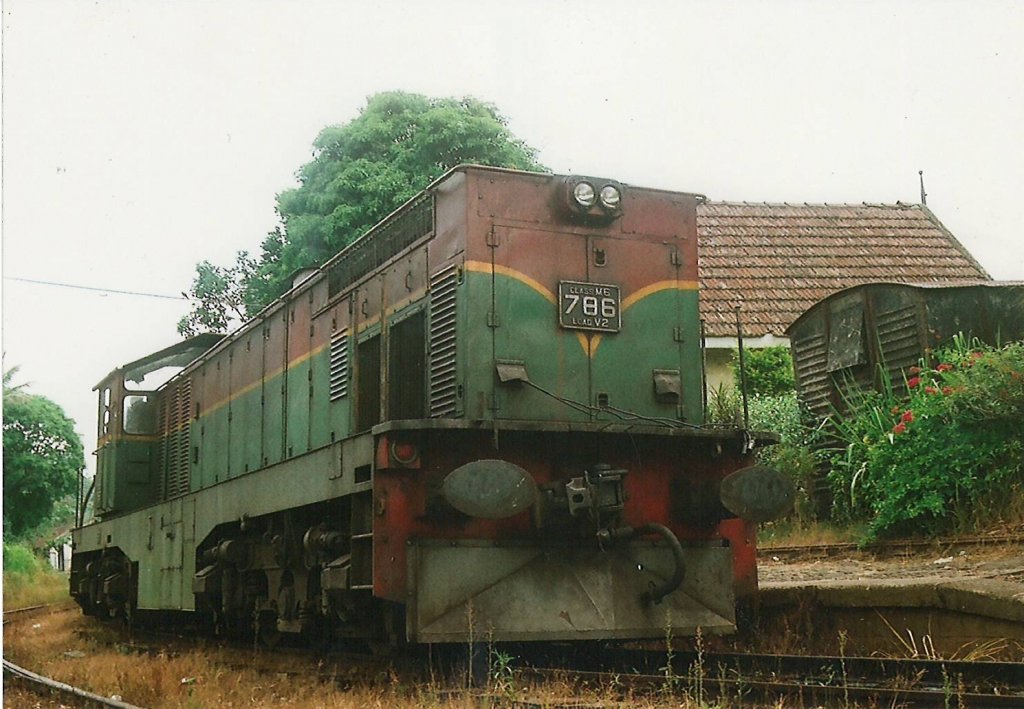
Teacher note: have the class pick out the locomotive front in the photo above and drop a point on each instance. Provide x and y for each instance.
(567, 487)
(484, 418)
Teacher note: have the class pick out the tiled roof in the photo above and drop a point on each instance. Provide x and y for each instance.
(776, 260)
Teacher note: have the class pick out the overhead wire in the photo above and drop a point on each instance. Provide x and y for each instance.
(94, 288)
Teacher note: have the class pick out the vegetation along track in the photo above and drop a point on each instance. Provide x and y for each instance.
(46, 686)
(818, 679)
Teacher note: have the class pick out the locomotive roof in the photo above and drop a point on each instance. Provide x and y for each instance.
(179, 354)
(318, 272)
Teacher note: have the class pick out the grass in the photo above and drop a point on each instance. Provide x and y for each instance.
(84, 652)
(29, 580)
(786, 532)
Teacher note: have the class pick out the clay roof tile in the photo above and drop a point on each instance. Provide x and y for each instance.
(778, 259)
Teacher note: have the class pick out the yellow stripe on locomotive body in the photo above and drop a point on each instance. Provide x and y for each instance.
(537, 333)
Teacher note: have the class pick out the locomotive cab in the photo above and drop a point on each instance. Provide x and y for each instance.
(128, 425)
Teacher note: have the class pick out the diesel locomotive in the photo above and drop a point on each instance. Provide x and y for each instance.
(483, 418)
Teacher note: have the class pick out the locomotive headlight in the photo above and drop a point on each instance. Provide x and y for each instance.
(611, 198)
(758, 493)
(591, 200)
(584, 195)
(489, 489)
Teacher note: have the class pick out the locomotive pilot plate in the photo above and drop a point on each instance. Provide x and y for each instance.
(589, 306)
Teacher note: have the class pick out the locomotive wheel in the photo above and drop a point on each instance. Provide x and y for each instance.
(266, 632)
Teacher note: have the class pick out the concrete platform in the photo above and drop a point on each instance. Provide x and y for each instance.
(923, 607)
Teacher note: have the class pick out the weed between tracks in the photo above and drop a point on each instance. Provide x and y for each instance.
(87, 653)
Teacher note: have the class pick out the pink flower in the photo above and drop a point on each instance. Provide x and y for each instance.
(914, 370)
(944, 367)
(947, 390)
(907, 416)
(913, 382)
(899, 428)
(931, 390)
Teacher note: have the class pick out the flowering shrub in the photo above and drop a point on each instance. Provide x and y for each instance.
(914, 464)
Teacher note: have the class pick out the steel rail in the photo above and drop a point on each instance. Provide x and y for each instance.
(41, 684)
(984, 683)
(747, 689)
(983, 675)
(888, 547)
(12, 614)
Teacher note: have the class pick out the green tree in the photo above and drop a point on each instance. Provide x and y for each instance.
(42, 457)
(360, 172)
(218, 296)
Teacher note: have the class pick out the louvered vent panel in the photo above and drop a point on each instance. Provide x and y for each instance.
(443, 381)
(175, 451)
(184, 428)
(339, 364)
(897, 339)
(376, 247)
(165, 431)
(811, 358)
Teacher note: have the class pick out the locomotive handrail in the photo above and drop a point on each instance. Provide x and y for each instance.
(433, 424)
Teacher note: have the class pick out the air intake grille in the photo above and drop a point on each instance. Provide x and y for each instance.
(443, 381)
(377, 246)
(339, 364)
(176, 425)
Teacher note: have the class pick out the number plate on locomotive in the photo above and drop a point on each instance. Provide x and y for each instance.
(589, 306)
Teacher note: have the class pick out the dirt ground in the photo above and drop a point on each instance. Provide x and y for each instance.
(1004, 562)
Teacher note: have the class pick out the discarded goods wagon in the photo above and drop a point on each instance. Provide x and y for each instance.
(484, 418)
(868, 336)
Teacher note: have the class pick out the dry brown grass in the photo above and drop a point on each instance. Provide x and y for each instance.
(84, 652)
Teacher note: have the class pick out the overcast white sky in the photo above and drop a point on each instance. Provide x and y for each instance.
(142, 137)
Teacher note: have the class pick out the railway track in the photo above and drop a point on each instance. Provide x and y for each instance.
(18, 614)
(618, 673)
(815, 679)
(789, 552)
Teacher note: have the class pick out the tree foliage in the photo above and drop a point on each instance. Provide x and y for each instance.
(218, 296)
(42, 457)
(360, 172)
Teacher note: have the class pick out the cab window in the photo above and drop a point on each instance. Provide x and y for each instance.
(139, 414)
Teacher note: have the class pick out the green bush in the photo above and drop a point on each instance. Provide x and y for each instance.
(20, 560)
(769, 370)
(29, 579)
(795, 454)
(922, 462)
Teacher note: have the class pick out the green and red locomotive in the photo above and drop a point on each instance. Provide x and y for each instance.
(484, 418)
